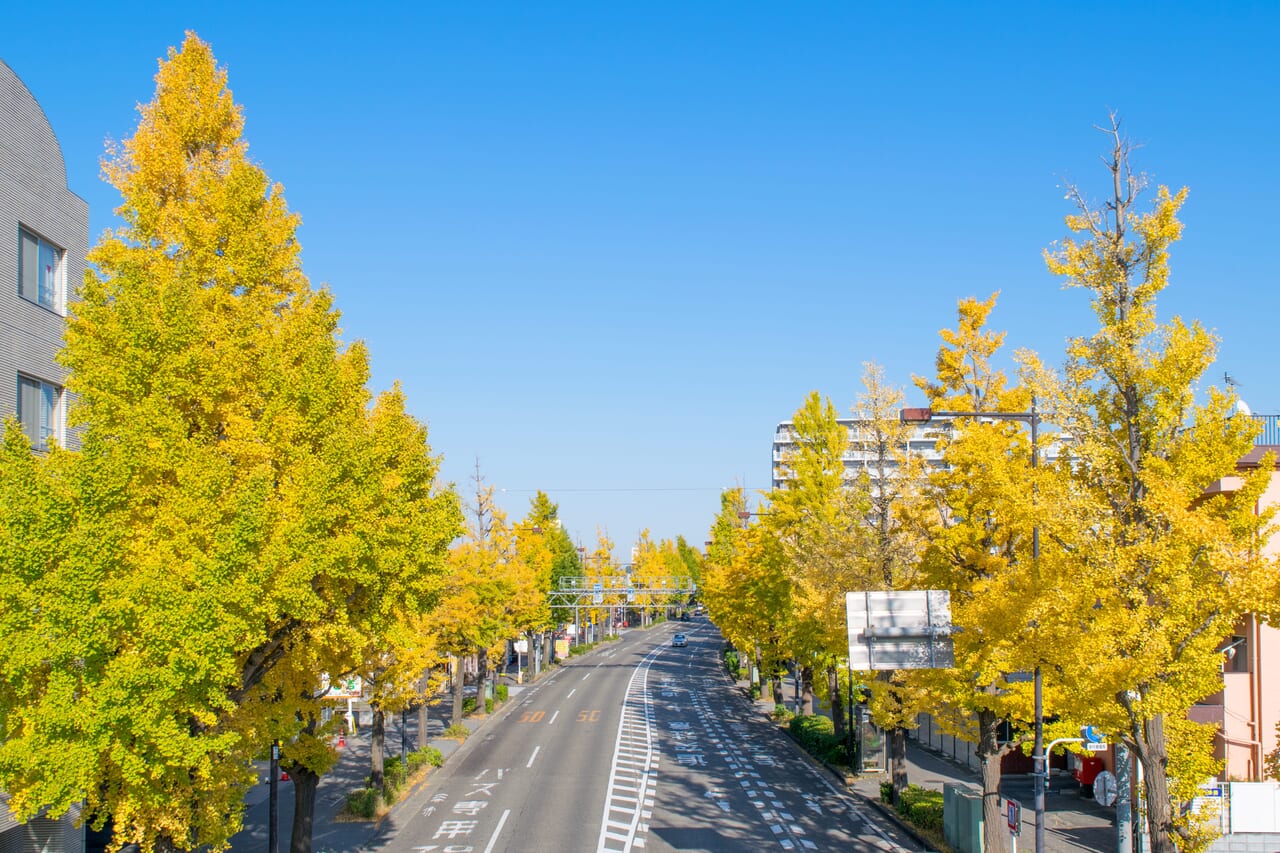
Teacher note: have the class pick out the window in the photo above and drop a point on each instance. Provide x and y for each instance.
(39, 270)
(38, 411)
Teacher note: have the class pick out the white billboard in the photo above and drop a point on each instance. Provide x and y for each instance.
(902, 629)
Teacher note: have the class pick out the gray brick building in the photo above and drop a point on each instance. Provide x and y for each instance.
(44, 234)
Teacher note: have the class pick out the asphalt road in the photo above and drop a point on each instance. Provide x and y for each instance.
(637, 746)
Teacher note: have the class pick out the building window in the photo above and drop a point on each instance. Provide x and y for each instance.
(38, 411)
(39, 270)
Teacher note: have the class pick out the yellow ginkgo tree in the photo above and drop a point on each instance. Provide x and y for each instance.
(1155, 568)
(171, 592)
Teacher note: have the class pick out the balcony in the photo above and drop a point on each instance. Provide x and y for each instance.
(1270, 429)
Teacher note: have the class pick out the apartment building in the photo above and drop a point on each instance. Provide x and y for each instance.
(44, 235)
(861, 453)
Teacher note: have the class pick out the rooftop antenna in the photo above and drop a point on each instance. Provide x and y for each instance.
(1242, 408)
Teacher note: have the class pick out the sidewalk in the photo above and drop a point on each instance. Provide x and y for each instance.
(330, 833)
(1072, 822)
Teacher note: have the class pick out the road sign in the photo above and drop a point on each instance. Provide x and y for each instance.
(1096, 747)
(902, 629)
(1013, 812)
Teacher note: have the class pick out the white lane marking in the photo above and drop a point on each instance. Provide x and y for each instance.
(553, 717)
(571, 692)
(494, 839)
(535, 755)
(632, 773)
(585, 677)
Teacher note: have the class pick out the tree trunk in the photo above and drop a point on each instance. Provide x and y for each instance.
(548, 648)
(837, 702)
(898, 757)
(1153, 755)
(482, 676)
(377, 746)
(806, 690)
(424, 706)
(459, 680)
(305, 783)
(995, 835)
(778, 699)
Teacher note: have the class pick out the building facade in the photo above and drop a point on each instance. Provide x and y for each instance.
(44, 235)
(860, 455)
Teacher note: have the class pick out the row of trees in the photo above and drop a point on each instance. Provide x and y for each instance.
(241, 519)
(1109, 566)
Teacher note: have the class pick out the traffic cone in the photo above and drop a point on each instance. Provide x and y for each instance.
(342, 741)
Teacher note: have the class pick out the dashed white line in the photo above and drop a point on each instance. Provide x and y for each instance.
(585, 677)
(571, 692)
(532, 757)
(553, 717)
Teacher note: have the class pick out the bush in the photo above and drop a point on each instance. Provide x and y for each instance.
(755, 691)
(502, 692)
(886, 792)
(394, 774)
(425, 755)
(817, 735)
(468, 706)
(921, 806)
(731, 661)
(781, 713)
(742, 674)
(457, 731)
(363, 802)
(488, 705)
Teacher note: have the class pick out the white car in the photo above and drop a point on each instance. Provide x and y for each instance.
(679, 640)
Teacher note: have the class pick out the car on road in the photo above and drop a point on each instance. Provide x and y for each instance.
(679, 640)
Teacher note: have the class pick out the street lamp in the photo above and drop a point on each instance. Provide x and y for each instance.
(1031, 417)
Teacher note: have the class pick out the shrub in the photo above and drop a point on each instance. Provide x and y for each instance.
(457, 731)
(394, 773)
(921, 806)
(488, 705)
(502, 692)
(886, 792)
(781, 713)
(468, 706)
(817, 735)
(742, 674)
(755, 691)
(731, 661)
(363, 802)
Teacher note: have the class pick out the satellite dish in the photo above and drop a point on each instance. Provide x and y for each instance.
(1242, 408)
(1104, 788)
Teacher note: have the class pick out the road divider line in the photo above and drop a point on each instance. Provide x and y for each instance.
(553, 717)
(532, 757)
(494, 838)
(571, 692)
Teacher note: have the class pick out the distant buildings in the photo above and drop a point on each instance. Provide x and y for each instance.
(44, 235)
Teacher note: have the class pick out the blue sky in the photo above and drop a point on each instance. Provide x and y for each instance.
(607, 247)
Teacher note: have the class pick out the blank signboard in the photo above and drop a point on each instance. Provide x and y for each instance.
(903, 629)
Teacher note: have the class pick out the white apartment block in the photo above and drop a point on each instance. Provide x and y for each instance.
(861, 454)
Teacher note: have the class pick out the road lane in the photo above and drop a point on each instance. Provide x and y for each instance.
(532, 778)
(731, 780)
(638, 747)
